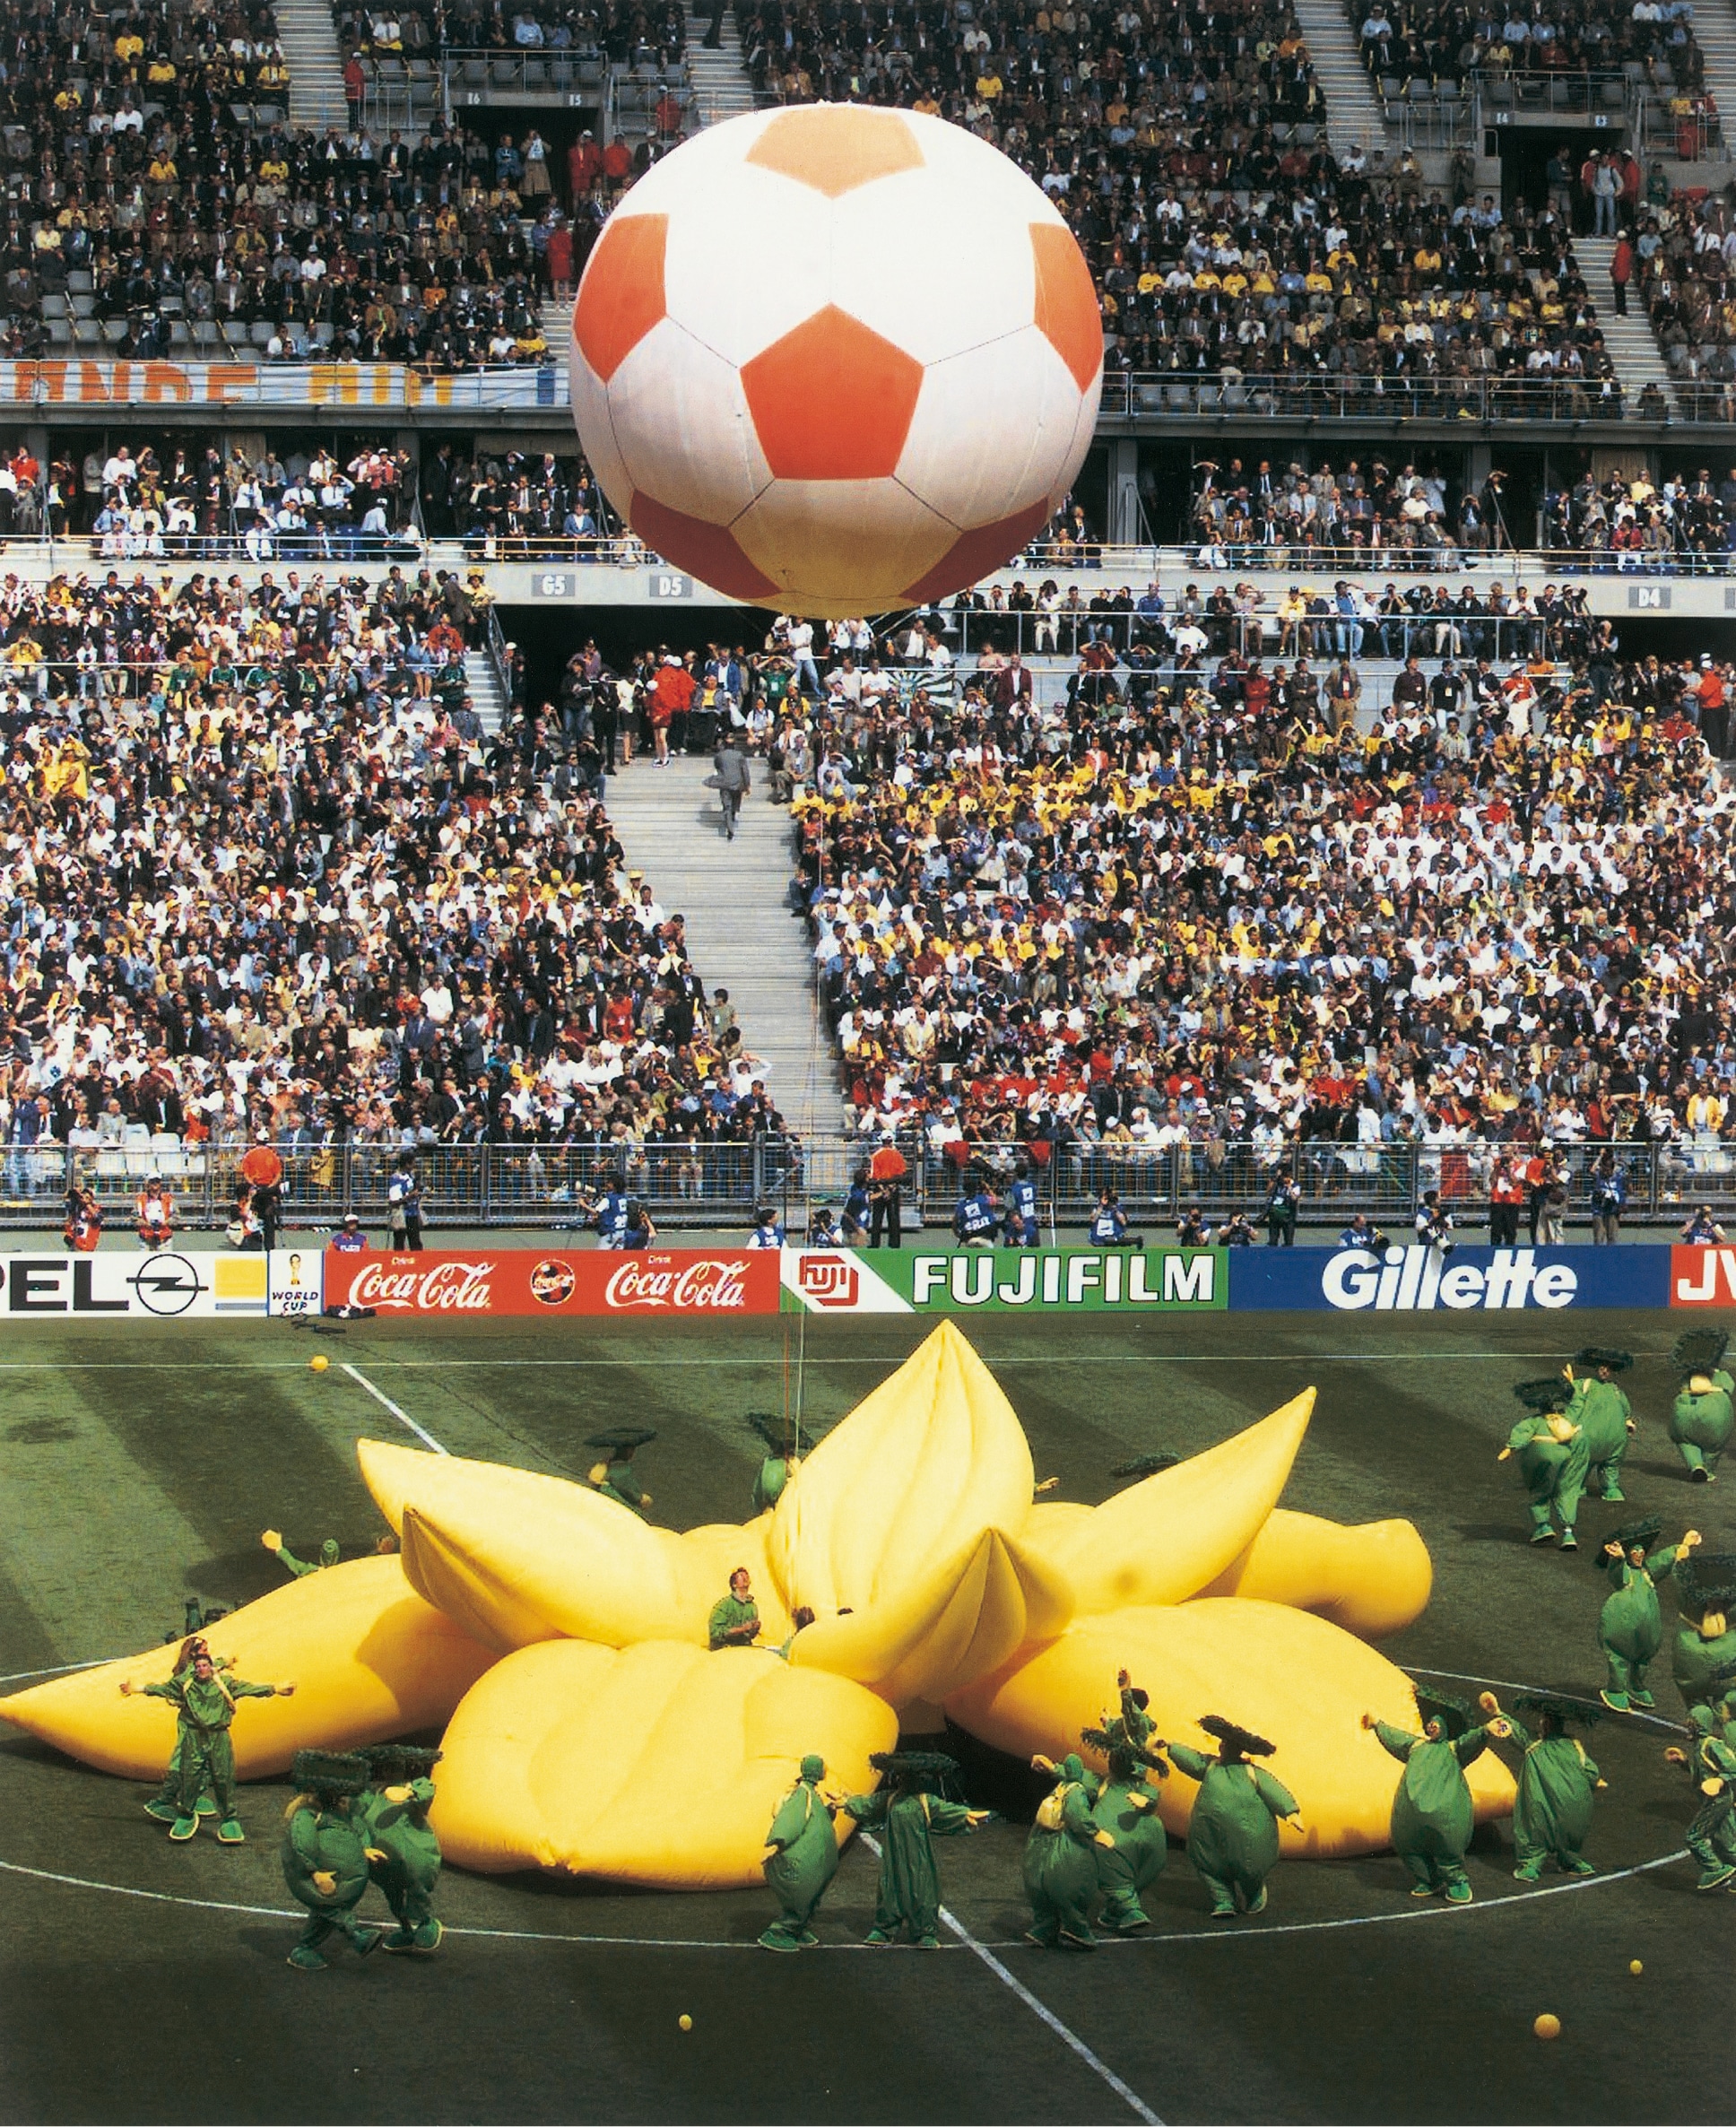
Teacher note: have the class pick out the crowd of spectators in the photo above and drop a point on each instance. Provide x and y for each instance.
(1154, 632)
(1436, 41)
(1365, 286)
(1219, 917)
(265, 875)
(1686, 522)
(157, 202)
(624, 32)
(1684, 261)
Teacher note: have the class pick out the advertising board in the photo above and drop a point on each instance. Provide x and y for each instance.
(541, 1282)
(970, 1280)
(1418, 1280)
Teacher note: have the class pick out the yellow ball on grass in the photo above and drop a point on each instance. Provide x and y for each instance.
(318, 1363)
(1548, 2027)
(1637, 1968)
(686, 2023)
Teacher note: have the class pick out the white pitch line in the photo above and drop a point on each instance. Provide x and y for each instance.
(719, 1360)
(64, 1668)
(1068, 2038)
(402, 1417)
(1129, 2097)
(1179, 1937)
(1458, 1676)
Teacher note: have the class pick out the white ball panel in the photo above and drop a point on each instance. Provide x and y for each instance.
(596, 431)
(934, 265)
(739, 299)
(682, 427)
(992, 430)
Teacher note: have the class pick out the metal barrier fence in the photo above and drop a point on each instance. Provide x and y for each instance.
(549, 1187)
(1321, 636)
(1137, 394)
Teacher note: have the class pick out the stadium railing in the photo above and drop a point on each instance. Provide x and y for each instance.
(80, 552)
(1134, 394)
(549, 1186)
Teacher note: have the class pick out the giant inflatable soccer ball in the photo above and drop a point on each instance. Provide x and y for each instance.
(835, 359)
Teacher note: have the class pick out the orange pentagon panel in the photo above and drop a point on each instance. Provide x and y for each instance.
(1067, 313)
(835, 147)
(832, 400)
(974, 554)
(620, 297)
(709, 550)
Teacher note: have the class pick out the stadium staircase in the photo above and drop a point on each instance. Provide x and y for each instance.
(721, 87)
(488, 697)
(1632, 344)
(309, 42)
(1715, 31)
(1353, 112)
(740, 931)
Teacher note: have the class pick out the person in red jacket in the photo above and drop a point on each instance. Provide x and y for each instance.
(670, 697)
(154, 1211)
(584, 165)
(1622, 272)
(83, 1227)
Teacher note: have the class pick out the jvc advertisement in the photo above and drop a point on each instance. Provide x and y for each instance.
(1419, 1280)
(968, 1281)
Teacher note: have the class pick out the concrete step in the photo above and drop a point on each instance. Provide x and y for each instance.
(309, 42)
(1353, 110)
(733, 896)
(487, 695)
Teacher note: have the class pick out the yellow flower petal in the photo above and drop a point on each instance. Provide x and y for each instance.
(1373, 1578)
(1295, 1679)
(917, 1471)
(1163, 1539)
(965, 1616)
(367, 1657)
(516, 1557)
(658, 1764)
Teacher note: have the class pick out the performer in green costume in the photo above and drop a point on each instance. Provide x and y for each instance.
(617, 1479)
(404, 1848)
(205, 1706)
(1552, 1816)
(1127, 1807)
(1631, 1625)
(1706, 1594)
(165, 1805)
(781, 1460)
(1061, 1858)
(1232, 1836)
(1552, 1458)
(735, 1620)
(1601, 1412)
(272, 1540)
(1710, 1757)
(1432, 1814)
(324, 1854)
(800, 1858)
(1701, 1419)
(910, 1818)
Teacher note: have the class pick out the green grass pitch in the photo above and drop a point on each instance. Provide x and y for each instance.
(139, 1465)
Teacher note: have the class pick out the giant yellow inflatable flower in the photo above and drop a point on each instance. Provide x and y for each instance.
(562, 1640)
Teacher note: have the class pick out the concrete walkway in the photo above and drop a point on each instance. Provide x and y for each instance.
(740, 933)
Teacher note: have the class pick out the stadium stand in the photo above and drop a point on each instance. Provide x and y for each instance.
(269, 878)
(1123, 922)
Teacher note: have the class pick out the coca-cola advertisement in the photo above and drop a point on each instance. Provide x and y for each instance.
(519, 1280)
